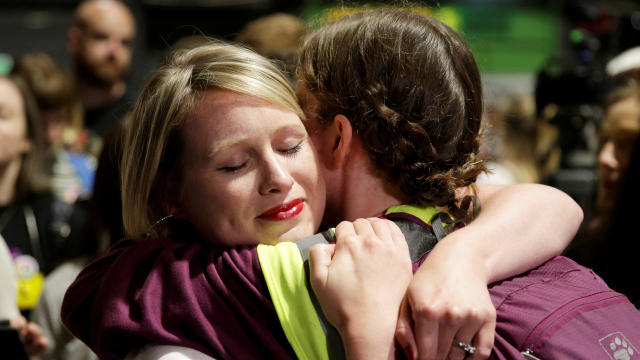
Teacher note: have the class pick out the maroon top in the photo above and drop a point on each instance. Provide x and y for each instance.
(211, 299)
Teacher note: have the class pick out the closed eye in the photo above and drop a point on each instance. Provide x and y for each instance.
(293, 150)
(231, 169)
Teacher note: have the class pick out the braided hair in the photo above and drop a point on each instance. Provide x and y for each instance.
(411, 88)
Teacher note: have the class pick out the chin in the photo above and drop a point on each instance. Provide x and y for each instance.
(295, 234)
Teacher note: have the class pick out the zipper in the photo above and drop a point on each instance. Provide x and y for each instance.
(561, 312)
(528, 354)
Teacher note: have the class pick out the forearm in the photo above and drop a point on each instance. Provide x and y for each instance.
(519, 227)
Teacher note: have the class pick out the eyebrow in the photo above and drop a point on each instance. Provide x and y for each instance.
(227, 145)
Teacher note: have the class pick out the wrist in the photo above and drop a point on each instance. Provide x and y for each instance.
(368, 341)
(462, 248)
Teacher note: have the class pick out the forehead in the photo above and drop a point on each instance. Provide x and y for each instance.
(225, 114)
(10, 95)
(108, 17)
(623, 117)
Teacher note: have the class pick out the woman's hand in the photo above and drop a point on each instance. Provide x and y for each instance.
(31, 333)
(447, 301)
(360, 282)
(520, 226)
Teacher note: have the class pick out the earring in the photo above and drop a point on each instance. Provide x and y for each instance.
(148, 234)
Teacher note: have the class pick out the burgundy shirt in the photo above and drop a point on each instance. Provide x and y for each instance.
(211, 299)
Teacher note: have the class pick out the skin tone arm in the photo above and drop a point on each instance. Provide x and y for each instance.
(519, 227)
(365, 273)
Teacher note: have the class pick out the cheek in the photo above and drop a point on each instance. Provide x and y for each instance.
(312, 180)
(222, 196)
(95, 51)
(13, 132)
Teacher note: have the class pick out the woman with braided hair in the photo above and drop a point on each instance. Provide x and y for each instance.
(217, 131)
(399, 95)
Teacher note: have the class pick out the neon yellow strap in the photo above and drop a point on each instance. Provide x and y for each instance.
(284, 273)
(425, 214)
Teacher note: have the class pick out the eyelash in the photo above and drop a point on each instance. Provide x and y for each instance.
(291, 151)
(231, 169)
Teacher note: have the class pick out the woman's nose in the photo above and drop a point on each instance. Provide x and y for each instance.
(607, 156)
(276, 177)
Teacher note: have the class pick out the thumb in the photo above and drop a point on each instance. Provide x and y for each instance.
(320, 256)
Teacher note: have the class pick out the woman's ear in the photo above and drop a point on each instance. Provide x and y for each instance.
(171, 201)
(343, 138)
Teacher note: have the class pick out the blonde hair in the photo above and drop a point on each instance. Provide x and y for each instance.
(152, 142)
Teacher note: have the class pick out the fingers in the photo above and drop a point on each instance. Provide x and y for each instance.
(404, 331)
(484, 339)
(446, 332)
(465, 333)
(18, 323)
(426, 325)
(345, 229)
(34, 341)
(364, 233)
(398, 236)
(31, 334)
(320, 259)
(381, 229)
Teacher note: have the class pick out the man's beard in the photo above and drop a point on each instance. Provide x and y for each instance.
(103, 74)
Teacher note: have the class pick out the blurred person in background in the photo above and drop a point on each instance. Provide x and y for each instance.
(514, 142)
(71, 173)
(30, 333)
(69, 170)
(100, 42)
(595, 246)
(52, 91)
(278, 37)
(26, 204)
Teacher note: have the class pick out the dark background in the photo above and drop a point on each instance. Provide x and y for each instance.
(41, 25)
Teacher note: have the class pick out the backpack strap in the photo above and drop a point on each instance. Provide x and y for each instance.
(422, 226)
(442, 225)
(285, 267)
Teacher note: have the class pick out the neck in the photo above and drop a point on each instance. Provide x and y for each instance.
(9, 173)
(369, 196)
(95, 96)
(361, 193)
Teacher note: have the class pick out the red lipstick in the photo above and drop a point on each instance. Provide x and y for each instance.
(284, 211)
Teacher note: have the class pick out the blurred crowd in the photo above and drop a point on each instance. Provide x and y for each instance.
(59, 156)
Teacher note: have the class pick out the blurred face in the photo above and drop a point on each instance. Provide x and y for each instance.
(13, 123)
(321, 141)
(104, 47)
(249, 172)
(619, 133)
(54, 122)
